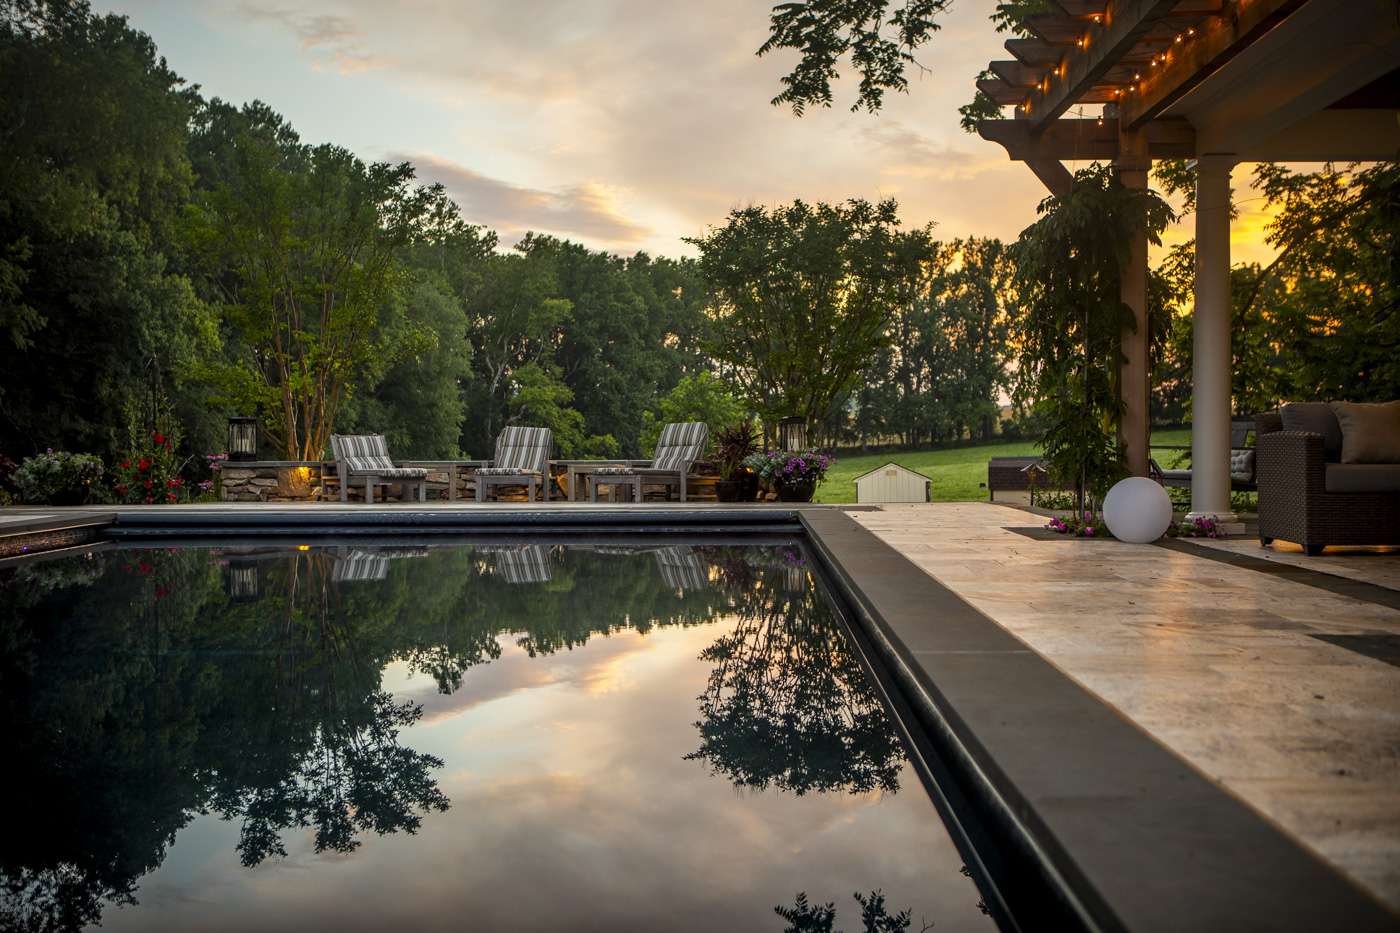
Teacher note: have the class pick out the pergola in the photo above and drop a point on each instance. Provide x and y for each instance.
(1217, 81)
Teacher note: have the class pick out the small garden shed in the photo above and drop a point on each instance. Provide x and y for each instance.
(893, 483)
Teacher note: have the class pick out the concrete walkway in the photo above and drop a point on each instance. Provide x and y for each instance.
(1229, 667)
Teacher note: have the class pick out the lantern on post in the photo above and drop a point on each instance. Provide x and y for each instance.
(792, 433)
(242, 438)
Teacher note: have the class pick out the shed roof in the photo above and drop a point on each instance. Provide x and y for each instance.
(892, 464)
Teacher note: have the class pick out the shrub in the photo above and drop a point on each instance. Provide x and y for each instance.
(58, 478)
(149, 474)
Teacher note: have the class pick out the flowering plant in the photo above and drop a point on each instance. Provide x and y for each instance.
(149, 474)
(1090, 526)
(1202, 526)
(787, 468)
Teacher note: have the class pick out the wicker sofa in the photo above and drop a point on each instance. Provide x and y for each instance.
(1309, 496)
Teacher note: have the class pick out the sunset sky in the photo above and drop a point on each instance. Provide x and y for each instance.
(624, 124)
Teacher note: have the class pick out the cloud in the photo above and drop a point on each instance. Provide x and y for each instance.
(587, 209)
(328, 35)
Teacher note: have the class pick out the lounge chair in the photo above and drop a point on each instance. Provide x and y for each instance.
(522, 459)
(681, 569)
(677, 449)
(365, 458)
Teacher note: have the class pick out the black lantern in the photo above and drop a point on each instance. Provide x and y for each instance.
(792, 433)
(242, 438)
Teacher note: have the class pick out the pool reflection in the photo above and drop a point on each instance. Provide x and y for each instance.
(280, 692)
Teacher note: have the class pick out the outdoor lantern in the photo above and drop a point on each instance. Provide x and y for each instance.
(1137, 510)
(792, 433)
(242, 438)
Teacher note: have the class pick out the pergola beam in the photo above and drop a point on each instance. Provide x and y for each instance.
(1083, 140)
(1125, 22)
(1220, 40)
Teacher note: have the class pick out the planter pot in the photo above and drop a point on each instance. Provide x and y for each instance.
(748, 486)
(727, 490)
(800, 491)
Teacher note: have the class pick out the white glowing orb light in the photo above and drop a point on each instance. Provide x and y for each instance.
(1137, 510)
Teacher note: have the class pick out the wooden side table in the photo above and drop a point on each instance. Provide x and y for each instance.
(630, 481)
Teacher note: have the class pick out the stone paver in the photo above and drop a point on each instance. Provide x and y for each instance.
(1216, 662)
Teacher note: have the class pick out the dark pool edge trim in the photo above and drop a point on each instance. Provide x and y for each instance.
(1134, 836)
(948, 744)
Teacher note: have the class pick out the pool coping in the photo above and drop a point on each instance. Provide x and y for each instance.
(1131, 835)
(1125, 833)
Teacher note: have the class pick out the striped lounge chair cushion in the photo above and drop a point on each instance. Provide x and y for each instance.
(521, 450)
(681, 569)
(680, 445)
(368, 453)
(505, 471)
(360, 565)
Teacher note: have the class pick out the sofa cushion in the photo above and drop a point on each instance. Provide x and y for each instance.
(1317, 418)
(1242, 464)
(1370, 431)
(1363, 477)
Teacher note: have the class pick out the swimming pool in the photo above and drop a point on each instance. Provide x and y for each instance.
(498, 735)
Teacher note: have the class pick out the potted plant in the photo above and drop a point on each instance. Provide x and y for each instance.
(732, 446)
(793, 475)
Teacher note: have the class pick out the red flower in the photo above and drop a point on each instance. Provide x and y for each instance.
(144, 464)
(122, 488)
(170, 496)
(148, 484)
(149, 500)
(159, 438)
(175, 483)
(126, 464)
(142, 566)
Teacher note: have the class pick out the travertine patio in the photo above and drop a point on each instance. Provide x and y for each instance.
(1220, 663)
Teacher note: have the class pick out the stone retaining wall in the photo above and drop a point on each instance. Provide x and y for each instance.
(270, 480)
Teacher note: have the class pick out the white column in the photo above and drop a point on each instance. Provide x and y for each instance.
(1134, 430)
(1210, 393)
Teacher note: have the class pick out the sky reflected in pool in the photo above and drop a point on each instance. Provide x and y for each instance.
(458, 737)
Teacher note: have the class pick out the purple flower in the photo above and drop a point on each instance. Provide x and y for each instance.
(1088, 531)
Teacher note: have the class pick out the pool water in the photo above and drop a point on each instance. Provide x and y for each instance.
(468, 736)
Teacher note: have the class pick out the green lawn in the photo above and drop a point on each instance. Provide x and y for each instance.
(955, 472)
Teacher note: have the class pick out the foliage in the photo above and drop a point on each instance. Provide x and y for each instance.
(539, 398)
(93, 179)
(58, 478)
(943, 375)
(824, 31)
(1320, 320)
(697, 397)
(802, 297)
(784, 468)
(303, 244)
(806, 917)
(1072, 317)
(150, 472)
(733, 445)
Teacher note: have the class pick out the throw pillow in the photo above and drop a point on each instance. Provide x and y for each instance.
(1316, 418)
(1370, 431)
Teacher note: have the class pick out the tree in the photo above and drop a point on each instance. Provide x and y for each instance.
(304, 245)
(1072, 317)
(700, 397)
(417, 403)
(94, 313)
(826, 31)
(802, 297)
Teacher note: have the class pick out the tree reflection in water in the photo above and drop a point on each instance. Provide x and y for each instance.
(787, 703)
(142, 689)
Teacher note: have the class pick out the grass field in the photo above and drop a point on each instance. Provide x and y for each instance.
(955, 472)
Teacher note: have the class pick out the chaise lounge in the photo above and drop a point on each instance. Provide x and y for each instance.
(522, 459)
(365, 458)
(677, 449)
